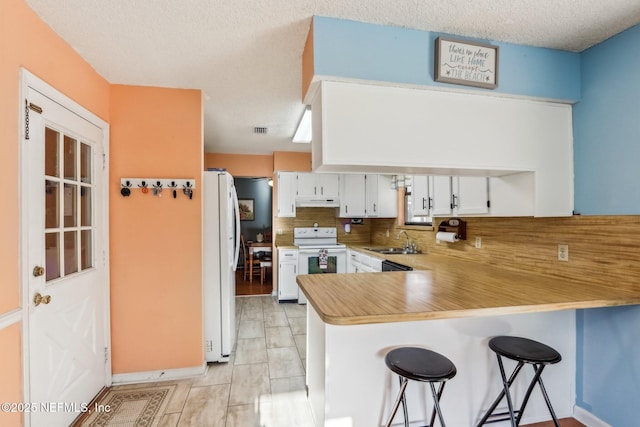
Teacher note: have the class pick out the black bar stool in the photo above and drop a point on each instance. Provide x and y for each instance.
(522, 350)
(419, 364)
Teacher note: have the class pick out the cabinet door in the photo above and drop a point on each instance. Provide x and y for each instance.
(352, 202)
(420, 198)
(371, 195)
(385, 204)
(287, 182)
(440, 192)
(287, 271)
(470, 195)
(307, 185)
(329, 185)
(287, 286)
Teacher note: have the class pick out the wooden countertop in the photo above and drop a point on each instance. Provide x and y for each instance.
(450, 288)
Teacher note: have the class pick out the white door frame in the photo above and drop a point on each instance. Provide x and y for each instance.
(27, 79)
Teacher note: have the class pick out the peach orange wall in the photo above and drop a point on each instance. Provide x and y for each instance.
(156, 244)
(245, 165)
(10, 373)
(293, 161)
(26, 41)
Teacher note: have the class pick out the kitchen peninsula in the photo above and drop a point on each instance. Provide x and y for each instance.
(449, 306)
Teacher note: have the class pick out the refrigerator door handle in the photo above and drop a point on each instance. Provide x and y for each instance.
(237, 215)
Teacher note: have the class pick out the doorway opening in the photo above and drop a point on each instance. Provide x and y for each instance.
(254, 275)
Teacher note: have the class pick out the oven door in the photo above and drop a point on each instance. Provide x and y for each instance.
(309, 263)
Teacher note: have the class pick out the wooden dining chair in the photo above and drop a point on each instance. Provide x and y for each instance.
(248, 260)
(265, 263)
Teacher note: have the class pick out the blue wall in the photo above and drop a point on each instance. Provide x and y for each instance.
(400, 55)
(608, 365)
(607, 177)
(607, 128)
(258, 190)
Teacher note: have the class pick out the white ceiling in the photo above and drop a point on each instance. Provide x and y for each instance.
(245, 55)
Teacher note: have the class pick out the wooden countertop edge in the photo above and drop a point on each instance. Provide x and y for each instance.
(472, 312)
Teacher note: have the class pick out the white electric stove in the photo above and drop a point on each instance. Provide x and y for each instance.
(319, 252)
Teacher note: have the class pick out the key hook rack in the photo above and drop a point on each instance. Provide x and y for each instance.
(155, 186)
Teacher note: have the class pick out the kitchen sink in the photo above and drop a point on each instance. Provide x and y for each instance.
(390, 251)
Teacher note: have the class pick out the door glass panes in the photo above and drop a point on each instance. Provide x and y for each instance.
(52, 256)
(70, 209)
(85, 163)
(85, 205)
(70, 252)
(70, 158)
(51, 163)
(86, 250)
(52, 197)
(69, 204)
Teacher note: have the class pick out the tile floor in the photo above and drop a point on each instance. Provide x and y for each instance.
(262, 385)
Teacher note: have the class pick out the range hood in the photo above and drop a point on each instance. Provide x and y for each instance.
(317, 203)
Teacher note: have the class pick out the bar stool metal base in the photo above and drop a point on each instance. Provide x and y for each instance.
(419, 364)
(523, 351)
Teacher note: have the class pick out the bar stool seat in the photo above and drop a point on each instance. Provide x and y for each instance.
(524, 351)
(419, 364)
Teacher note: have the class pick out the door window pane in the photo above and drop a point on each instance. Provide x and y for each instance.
(70, 252)
(70, 157)
(51, 138)
(86, 249)
(52, 256)
(85, 206)
(70, 205)
(51, 195)
(85, 163)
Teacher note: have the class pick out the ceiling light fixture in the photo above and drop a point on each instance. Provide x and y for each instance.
(303, 132)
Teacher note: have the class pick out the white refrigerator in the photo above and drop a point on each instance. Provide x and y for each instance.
(221, 246)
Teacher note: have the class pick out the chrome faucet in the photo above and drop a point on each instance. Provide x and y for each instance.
(407, 245)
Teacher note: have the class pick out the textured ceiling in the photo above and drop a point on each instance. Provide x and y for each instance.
(245, 55)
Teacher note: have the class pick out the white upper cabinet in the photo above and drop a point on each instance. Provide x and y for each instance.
(353, 200)
(470, 195)
(421, 200)
(446, 195)
(436, 132)
(286, 199)
(440, 193)
(381, 200)
(316, 185)
(368, 195)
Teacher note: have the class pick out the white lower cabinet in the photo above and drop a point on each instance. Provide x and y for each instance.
(362, 263)
(287, 272)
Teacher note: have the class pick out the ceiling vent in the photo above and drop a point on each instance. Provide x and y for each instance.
(259, 130)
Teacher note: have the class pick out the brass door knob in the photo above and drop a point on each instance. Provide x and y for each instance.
(38, 299)
(38, 271)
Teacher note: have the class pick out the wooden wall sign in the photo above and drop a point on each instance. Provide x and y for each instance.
(466, 63)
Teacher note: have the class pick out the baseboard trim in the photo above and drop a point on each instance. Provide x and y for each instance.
(161, 375)
(587, 418)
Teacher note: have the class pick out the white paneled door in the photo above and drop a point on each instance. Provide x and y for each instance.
(64, 260)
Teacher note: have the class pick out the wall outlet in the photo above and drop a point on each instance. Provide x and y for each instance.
(478, 242)
(563, 252)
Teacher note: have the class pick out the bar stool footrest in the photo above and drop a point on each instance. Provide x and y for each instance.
(501, 416)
